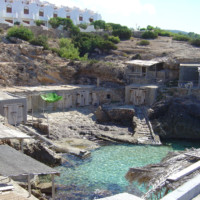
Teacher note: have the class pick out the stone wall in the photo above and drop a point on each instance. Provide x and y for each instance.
(184, 92)
(110, 95)
(4, 26)
(52, 33)
(120, 115)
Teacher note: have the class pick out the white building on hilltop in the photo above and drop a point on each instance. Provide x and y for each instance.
(27, 11)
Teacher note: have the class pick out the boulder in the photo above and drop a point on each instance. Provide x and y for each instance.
(16, 40)
(42, 153)
(45, 187)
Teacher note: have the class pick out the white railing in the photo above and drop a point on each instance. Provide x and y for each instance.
(188, 84)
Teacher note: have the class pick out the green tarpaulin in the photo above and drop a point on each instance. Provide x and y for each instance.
(51, 97)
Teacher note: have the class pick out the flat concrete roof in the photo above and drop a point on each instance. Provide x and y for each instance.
(122, 196)
(142, 86)
(189, 65)
(143, 63)
(8, 133)
(30, 89)
(15, 163)
(6, 96)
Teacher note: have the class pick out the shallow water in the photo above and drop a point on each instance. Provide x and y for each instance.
(106, 168)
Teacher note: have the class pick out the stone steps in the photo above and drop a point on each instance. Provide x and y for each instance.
(142, 132)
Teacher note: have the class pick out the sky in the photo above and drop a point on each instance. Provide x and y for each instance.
(181, 15)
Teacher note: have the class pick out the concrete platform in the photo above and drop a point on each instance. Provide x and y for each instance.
(184, 172)
(8, 133)
(187, 191)
(18, 193)
(122, 196)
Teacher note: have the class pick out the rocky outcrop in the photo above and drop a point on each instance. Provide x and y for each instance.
(25, 64)
(120, 115)
(41, 153)
(177, 118)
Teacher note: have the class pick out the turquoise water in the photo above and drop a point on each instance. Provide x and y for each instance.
(107, 166)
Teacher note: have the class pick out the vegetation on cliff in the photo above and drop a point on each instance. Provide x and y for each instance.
(153, 32)
(20, 32)
(77, 47)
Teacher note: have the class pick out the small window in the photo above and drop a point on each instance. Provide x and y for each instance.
(91, 19)
(41, 13)
(55, 14)
(108, 96)
(26, 10)
(9, 9)
(80, 18)
(68, 10)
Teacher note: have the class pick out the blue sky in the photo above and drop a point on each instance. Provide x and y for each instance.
(167, 14)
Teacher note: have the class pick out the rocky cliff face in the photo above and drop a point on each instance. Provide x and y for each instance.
(25, 64)
(177, 118)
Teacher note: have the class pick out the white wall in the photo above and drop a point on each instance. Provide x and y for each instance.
(49, 9)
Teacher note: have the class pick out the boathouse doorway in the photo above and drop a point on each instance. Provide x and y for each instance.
(138, 96)
(13, 113)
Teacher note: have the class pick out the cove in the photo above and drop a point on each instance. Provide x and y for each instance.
(103, 174)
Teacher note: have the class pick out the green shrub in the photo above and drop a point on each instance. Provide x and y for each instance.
(40, 41)
(54, 22)
(1, 30)
(180, 37)
(17, 23)
(143, 43)
(193, 35)
(113, 39)
(74, 30)
(107, 45)
(150, 28)
(123, 33)
(39, 22)
(195, 42)
(116, 26)
(99, 24)
(83, 26)
(108, 27)
(66, 23)
(20, 32)
(69, 53)
(143, 29)
(149, 35)
(87, 43)
(163, 33)
(55, 50)
(67, 49)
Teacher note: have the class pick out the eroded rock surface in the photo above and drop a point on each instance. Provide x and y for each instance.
(177, 118)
